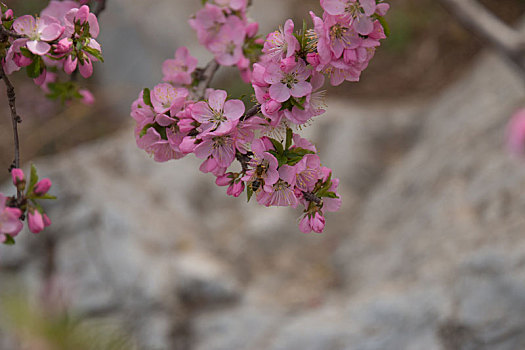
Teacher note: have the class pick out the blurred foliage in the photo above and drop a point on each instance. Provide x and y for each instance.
(36, 327)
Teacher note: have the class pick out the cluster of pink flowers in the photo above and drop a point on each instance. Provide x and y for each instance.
(223, 27)
(62, 38)
(287, 75)
(13, 210)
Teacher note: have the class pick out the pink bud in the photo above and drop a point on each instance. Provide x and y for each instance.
(304, 225)
(35, 221)
(317, 223)
(42, 187)
(41, 78)
(86, 68)
(18, 176)
(47, 220)
(223, 180)
(70, 64)
(313, 59)
(252, 29)
(87, 97)
(8, 14)
(288, 64)
(64, 46)
(82, 14)
(235, 189)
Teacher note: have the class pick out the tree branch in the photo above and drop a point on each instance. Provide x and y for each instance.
(205, 80)
(251, 112)
(5, 33)
(485, 25)
(15, 118)
(100, 7)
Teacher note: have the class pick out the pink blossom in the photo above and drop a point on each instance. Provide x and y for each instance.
(282, 43)
(358, 12)
(207, 23)
(236, 5)
(9, 219)
(288, 83)
(83, 16)
(178, 70)
(263, 165)
(218, 115)
(87, 97)
(39, 31)
(516, 133)
(153, 143)
(58, 9)
(280, 195)
(220, 148)
(165, 97)
(227, 45)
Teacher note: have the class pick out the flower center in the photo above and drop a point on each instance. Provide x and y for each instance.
(290, 79)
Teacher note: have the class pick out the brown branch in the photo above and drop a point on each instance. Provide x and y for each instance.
(251, 112)
(485, 25)
(5, 33)
(207, 75)
(100, 7)
(310, 197)
(15, 118)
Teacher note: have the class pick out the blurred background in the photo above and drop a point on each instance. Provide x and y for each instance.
(427, 252)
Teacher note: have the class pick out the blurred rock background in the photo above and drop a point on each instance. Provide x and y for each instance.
(428, 251)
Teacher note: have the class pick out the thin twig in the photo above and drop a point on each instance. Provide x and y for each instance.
(484, 24)
(207, 76)
(251, 112)
(15, 118)
(4, 33)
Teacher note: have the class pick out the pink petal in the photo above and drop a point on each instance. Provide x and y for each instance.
(51, 32)
(25, 25)
(204, 149)
(216, 99)
(234, 109)
(301, 89)
(279, 92)
(38, 47)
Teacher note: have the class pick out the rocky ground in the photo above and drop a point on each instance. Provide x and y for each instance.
(428, 251)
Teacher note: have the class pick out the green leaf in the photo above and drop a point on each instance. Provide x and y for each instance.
(330, 195)
(46, 196)
(289, 134)
(145, 129)
(277, 145)
(34, 69)
(146, 96)
(249, 192)
(33, 179)
(9, 240)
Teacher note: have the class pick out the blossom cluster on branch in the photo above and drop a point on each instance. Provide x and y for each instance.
(61, 39)
(287, 71)
(15, 209)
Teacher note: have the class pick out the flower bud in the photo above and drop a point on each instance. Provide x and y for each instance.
(18, 179)
(235, 189)
(35, 221)
(223, 180)
(42, 187)
(47, 220)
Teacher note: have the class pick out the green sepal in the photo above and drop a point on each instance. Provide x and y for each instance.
(35, 69)
(9, 240)
(277, 145)
(146, 96)
(249, 192)
(289, 135)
